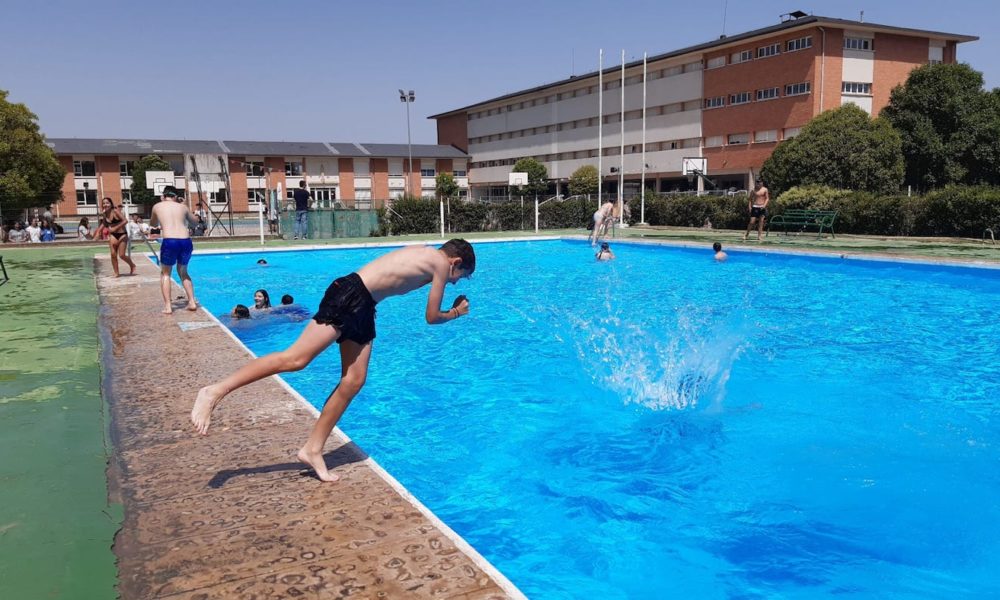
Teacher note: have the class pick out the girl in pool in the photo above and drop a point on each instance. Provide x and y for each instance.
(261, 301)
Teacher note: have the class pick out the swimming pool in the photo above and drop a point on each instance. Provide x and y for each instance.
(665, 426)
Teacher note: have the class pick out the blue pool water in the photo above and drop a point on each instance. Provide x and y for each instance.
(663, 426)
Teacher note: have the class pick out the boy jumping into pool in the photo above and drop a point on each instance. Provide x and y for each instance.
(346, 315)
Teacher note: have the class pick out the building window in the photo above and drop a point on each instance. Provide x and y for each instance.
(772, 50)
(741, 57)
(713, 141)
(799, 44)
(256, 169)
(293, 168)
(126, 196)
(797, 89)
(84, 168)
(791, 132)
(854, 87)
(855, 43)
(691, 67)
(740, 98)
(715, 63)
(768, 135)
(86, 197)
(427, 172)
(255, 195)
(768, 93)
(738, 138)
(717, 102)
(125, 167)
(461, 173)
(671, 71)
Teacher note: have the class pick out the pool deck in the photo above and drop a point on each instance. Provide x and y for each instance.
(233, 514)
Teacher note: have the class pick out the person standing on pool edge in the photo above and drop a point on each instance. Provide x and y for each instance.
(175, 247)
(346, 315)
(759, 198)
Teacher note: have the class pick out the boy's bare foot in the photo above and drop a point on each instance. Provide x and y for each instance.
(315, 460)
(192, 306)
(168, 310)
(201, 414)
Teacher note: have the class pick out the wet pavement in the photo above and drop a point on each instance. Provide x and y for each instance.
(233, 514)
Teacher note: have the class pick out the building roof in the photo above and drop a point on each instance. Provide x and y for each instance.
(248, 148)
(790, 24)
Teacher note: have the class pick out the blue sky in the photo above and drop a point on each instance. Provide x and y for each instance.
(329, 70)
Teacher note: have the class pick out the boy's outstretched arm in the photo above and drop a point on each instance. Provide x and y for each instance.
(433, 313)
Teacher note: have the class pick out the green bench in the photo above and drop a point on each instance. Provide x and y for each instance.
(803, 218)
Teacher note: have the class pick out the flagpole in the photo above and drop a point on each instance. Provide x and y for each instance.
(642, 184)
(621, 151)
(600, 125)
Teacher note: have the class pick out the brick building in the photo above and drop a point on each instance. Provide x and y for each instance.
(353, 175)
(729, 101)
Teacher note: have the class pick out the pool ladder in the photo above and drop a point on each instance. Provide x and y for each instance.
(992, 239)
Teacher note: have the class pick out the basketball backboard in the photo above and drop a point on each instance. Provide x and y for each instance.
(157, 180)
(517, 179)
(694, 164)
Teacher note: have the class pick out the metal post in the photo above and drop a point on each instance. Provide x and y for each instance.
(642, 181)
(621, 151)
(407, 98)
(441, 210)
(260, 217)
(536, 213)
(600, 126)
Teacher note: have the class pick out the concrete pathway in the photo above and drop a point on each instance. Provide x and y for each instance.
(232, 514)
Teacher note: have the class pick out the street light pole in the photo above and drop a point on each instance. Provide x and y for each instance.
(407, 98)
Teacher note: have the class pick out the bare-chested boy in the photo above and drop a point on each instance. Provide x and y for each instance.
(602, 220)
(346, 315)
(759, 198)
(175, 247)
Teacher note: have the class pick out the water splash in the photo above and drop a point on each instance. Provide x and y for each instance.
(667, 368)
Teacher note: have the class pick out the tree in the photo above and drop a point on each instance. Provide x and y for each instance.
(30, 173)
(446, 185)
(949, 124)
(843, 148)
(583, 181)
(537, 177)
(140, 193)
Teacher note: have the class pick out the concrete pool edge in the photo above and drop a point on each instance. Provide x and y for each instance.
(147, 429)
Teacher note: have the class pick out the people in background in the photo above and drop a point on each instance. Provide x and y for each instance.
(198, 227)
(115, 223)
(240, 312)
(83, 230)
(18, 235)
(262, 262)
(286, 300)
(605, 252)
(34, 232)
(48, 231)
(759, 198)
(302, 199)
(719, 254)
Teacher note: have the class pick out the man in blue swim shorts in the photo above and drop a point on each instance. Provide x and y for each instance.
(175, 247)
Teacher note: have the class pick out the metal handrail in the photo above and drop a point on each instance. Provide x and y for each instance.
(990, 231)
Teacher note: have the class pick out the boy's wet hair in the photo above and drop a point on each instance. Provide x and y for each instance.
(261, 261)
(605, 246)
(169, 191)
(717, 246)
(241, 312)
(462, 249)
(286, 299)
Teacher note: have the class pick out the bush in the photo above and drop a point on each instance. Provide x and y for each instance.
(953, 211)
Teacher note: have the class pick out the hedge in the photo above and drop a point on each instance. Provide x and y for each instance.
(963, 211)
